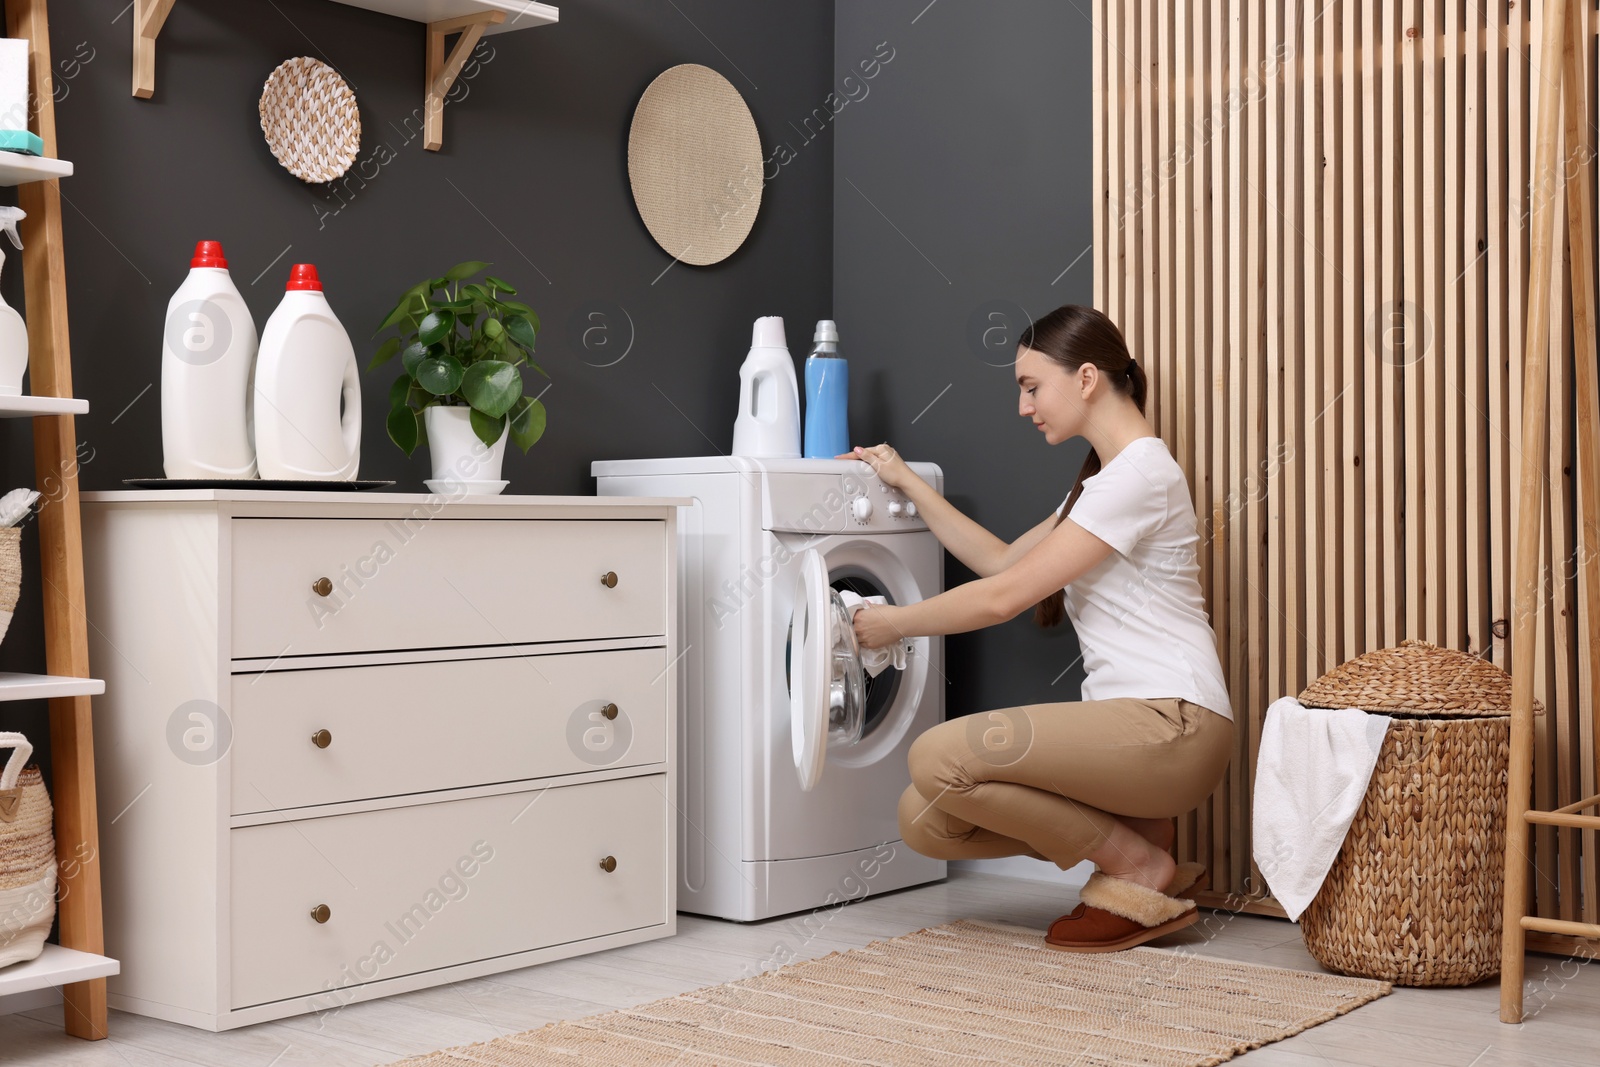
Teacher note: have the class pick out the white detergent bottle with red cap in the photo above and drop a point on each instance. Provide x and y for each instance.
(308, 394)
(208, 356)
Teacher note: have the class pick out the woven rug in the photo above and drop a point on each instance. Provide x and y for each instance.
(966, 991)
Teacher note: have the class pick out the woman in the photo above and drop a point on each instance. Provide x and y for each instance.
(1098, 778)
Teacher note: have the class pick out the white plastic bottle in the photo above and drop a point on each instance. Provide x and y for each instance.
(308, 394)
(768, 423)
(207, 359)
(13, 331)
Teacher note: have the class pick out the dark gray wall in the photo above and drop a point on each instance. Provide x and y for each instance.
(959, 186)
(533, 177)
(962, 191)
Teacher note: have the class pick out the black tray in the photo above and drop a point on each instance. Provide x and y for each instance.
(255, 483)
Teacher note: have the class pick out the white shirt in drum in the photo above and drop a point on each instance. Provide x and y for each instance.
(1140, 615)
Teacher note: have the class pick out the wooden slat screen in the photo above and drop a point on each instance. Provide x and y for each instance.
(1312, 227)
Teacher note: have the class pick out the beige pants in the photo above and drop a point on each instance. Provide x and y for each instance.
(1047, 780)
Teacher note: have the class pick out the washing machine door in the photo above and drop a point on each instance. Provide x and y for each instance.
(827, 685)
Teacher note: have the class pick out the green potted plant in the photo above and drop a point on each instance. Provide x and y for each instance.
(462, 346)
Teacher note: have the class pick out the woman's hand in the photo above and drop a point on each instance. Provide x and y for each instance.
(874, 626)
(885, 463)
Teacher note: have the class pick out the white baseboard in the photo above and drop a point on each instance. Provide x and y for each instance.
(1028, 867)
(33, 998)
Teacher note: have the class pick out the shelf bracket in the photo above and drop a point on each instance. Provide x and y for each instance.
(148, 18)
(443, 70)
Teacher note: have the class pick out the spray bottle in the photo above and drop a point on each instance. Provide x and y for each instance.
(13, 332)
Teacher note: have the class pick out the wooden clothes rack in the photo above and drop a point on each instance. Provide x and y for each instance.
(1562, 84)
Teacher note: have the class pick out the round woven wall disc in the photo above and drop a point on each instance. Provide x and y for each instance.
(694, 161)
(309, 117)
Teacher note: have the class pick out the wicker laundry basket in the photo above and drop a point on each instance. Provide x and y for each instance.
(1414, 896)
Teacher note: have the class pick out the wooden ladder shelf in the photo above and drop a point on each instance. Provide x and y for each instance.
(1562, 84)
(77, 964)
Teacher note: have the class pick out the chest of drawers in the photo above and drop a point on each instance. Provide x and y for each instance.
(358, 744)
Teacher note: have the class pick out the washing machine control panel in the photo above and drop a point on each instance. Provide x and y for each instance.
(878, 499)
(835, 498)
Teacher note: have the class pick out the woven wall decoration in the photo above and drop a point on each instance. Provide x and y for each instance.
(694, 161)
(309, 117)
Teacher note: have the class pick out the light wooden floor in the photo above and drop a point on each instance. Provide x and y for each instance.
(1416, 1027)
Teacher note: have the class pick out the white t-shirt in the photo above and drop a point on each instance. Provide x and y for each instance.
(1140, 615)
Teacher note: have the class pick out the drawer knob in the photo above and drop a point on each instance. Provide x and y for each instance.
(608, 864)
(322, 587)
(609, 711)
(322, 913)
(609, 579)
(322, 739)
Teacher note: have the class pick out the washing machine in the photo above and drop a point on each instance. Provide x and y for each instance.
(793, 756)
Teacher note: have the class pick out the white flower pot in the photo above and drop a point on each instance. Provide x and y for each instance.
(459, 458)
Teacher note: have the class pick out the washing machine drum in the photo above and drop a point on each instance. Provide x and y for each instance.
(827, 684)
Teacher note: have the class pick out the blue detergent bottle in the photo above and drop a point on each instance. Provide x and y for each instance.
(827, 393)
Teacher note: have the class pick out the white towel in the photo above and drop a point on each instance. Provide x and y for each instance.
(875, 660)
(1312, 772)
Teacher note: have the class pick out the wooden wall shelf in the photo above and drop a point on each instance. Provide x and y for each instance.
(517, 15)
(466, 20)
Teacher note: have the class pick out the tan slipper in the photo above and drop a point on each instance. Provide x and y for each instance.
(1114, 915)
(1187, 880)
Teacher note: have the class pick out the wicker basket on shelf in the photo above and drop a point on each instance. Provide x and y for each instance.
(1414, 896)
(27, 855)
